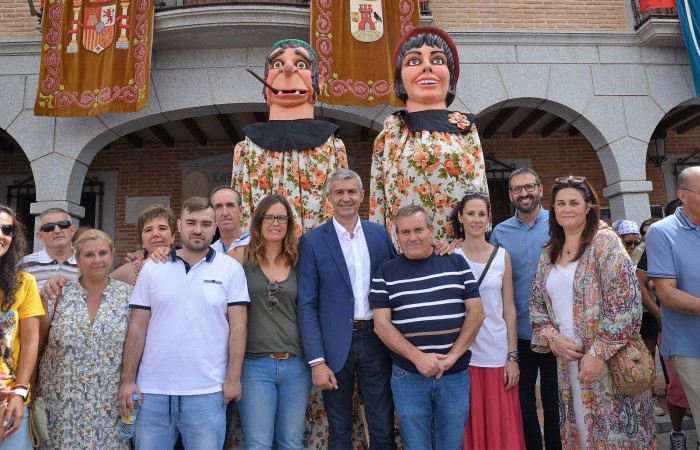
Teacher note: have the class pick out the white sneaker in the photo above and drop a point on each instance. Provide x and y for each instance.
(678, 440)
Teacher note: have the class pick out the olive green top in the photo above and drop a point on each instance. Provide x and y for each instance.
(275, 331)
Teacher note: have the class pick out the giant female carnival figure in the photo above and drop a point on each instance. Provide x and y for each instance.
(425, 155)
(292, 154)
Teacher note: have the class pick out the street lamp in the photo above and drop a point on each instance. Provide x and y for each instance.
(656, 152)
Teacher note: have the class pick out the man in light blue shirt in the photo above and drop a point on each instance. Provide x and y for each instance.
(673, 249)
(523, 236)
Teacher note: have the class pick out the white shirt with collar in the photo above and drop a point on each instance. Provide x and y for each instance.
(356, 256)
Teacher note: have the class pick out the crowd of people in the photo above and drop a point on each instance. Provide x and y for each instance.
(439, 331)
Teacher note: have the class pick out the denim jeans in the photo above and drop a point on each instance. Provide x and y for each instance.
(546, 363)
(20, 439)
(199, 418)
(273, 402)
(369, 361)
(432, 413)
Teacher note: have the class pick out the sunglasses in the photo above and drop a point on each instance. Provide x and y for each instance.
(530, 187)
(569, 179)
(267, 218)
(8, 230)
(49, 227)
(272, 301)
(476, 194)
(631, 243)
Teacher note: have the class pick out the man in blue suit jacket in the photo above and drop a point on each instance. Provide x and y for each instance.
(336, 264)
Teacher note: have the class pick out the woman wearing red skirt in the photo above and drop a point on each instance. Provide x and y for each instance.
(494, 419)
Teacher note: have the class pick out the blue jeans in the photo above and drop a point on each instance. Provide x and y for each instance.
(423, 403)
(369, 361)
(546, 363)
(199, 418)
(20, 439)
(273, 402)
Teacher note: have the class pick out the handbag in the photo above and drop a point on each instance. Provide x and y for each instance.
(38, 418)
(632, 368)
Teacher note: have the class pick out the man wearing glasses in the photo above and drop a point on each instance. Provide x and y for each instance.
(184, 349)
(57, 258)
(523, 236)
(673, 249)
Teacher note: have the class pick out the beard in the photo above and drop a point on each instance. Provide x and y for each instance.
(534, 203)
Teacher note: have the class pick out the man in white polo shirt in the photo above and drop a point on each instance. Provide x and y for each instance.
(186, 339)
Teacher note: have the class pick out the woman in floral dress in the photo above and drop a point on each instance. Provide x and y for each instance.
(584, 306)
(425, 155)
(80, 370)
(292, 154)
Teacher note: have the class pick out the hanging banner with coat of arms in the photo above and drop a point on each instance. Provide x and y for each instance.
(95, 57)
(355, 42)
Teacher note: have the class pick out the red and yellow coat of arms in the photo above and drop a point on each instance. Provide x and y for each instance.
(98, 25)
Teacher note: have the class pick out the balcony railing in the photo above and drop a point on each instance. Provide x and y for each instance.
(640, 18)
(167, 4)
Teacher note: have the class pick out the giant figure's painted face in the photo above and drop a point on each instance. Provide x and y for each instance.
(292, 69)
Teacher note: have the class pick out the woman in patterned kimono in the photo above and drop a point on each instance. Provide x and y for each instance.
(584, 306)
(81, 367)
(292, 154)
(425, 155)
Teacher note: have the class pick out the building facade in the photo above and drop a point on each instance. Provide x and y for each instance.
(580, 87)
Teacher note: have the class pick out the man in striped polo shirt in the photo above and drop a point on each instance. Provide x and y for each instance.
(427, 310)
(57, 258)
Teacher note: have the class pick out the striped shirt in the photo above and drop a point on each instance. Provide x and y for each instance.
(43, 267)
(426, 298)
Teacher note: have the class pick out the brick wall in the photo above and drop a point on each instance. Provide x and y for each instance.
(609, 15)
(155, 170)
(16, 21)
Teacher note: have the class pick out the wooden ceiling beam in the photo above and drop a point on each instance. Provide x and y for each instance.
(497, 122)
(688, 125)
(527, 122)
(195, 131)
(552, 127)
(229, 129)
(678, 118)
(134, 139)
(163, 136)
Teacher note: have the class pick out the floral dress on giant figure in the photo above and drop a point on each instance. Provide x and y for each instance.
(292, 154)
(426, 155)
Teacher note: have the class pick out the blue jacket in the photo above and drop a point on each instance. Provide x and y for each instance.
(325, 305)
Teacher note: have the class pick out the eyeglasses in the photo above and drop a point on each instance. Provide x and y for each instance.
(530, 187)
(631, 243)
(267, 218)
(570, 178)
(49, 227)
(476, 194)
(272, 289)
(686, 189)
(8, 230)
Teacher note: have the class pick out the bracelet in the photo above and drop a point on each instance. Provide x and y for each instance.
(513, 358)
(24, 393)
(21, 386)
(317, 363)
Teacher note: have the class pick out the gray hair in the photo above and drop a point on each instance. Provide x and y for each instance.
(409, 211)
(223, 186)
(521, 171)
(684, 176)
(342, 174)
(46, 212)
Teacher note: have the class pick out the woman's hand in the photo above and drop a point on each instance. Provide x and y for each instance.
(589, 369)
(511, 374)
(566, 349)
(15, 409)
(160, 255)
(53, 287)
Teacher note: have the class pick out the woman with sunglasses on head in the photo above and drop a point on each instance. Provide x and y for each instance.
(20, 309)
(494, 419)
(276, 381)
(584, 307)
(629, 233)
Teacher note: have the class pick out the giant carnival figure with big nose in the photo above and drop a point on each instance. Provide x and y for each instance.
(426, 155)
(292, 154)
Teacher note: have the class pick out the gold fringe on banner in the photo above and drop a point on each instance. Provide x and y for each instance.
(355, 42)
(95, 57)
